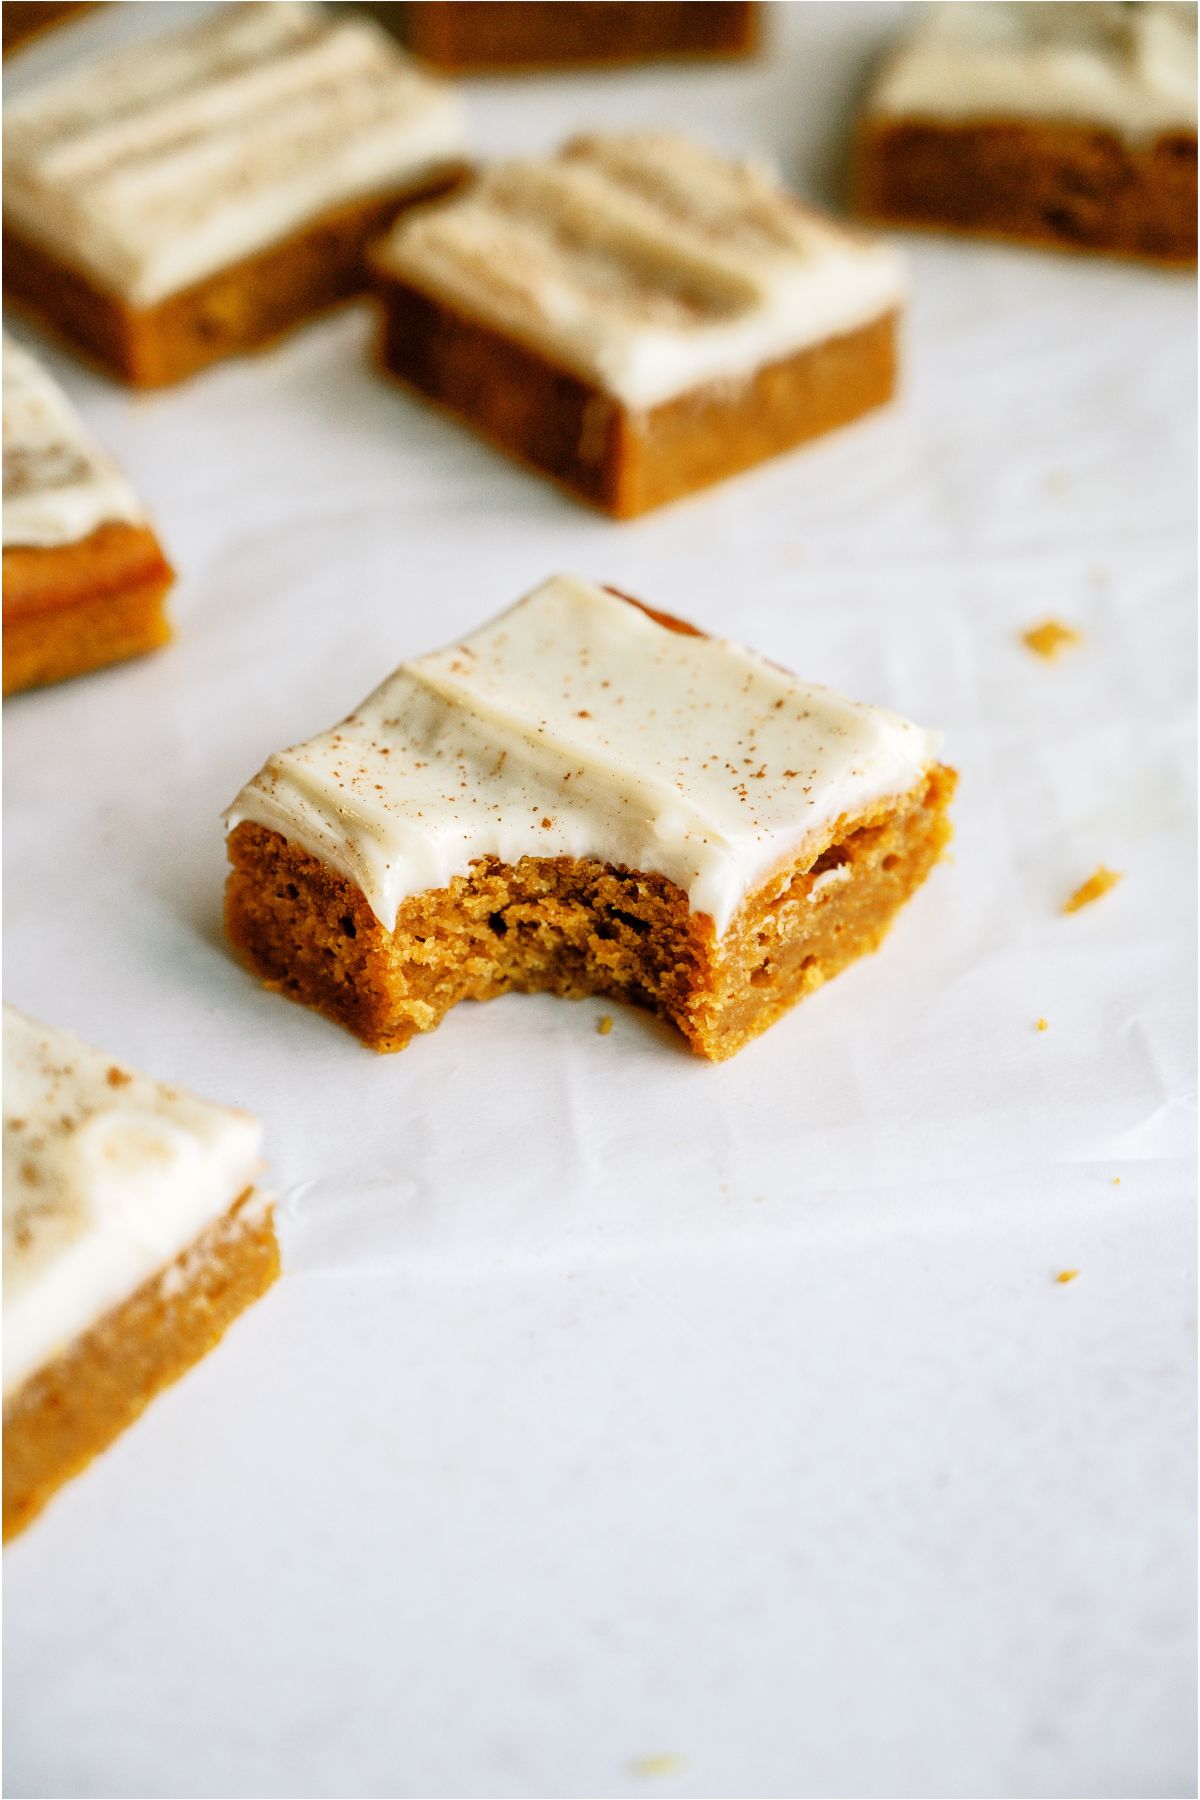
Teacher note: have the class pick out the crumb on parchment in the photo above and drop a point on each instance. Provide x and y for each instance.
(1065, 1275)
(1043, 1024)
(659, 1763)
(1094, 888)
(605, 1025)
(1051, 638)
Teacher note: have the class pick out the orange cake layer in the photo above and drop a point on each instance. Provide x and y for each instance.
(1066, 185)
(243, 307)
(75, 607)
(461, 35)
(578, 927)
(74, 1406)
(622, 460)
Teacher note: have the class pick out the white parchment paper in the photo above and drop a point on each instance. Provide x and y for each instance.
(625, 1425)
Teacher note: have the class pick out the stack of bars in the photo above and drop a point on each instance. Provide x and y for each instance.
(583, 797)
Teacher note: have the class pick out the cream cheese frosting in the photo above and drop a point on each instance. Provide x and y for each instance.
(108, 1177)
(576, 725)
(59, 486)
(645, 263)
(1128, 68)
(153, 167)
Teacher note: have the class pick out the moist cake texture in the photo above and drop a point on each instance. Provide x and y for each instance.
(1065, 124)
(196, 195)
(583, 797)
(637, 316)
(84, 575)
(133, 1235)
(506, 35)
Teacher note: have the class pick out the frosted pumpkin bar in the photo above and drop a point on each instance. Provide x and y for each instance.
(583, 797)
(84, 575)
(196, 195)
(133, 1236)
(1068, 125)
(638, 317)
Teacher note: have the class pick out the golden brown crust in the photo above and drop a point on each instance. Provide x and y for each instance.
(246, 306)
(621, 461)
(72, 608)
(1069, 187)
(511, 35)
(577, 926)
(71, 1410)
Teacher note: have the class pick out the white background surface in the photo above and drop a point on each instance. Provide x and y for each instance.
(613, 1405)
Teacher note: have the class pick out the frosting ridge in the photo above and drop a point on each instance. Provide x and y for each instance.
(1131, 68)
(59, 486)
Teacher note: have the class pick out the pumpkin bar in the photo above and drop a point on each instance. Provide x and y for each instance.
(637, 317)
(500, 36)
(84, 575)
(195, 196)
(134, 1234)
(1072, 126)
(583, 797)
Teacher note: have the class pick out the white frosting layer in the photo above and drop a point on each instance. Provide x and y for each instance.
(575, 725)
(58, 484)
(108, 1177)
(156, 166)
(645, 264)
(1129, 68)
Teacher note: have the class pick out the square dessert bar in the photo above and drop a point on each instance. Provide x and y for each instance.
(637, 317)
(1066, 125)
(195, 196)
(84, 576)
(583, 797)
(464, 36)
(133, 1236)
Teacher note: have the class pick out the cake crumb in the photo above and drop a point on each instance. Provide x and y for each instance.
(605, 1026)
(660, 1763)
(1050, 638)
(117, 1077)
(1065, 1275)
(1043, 1024)
(1116, 1181)
(1094, 888)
